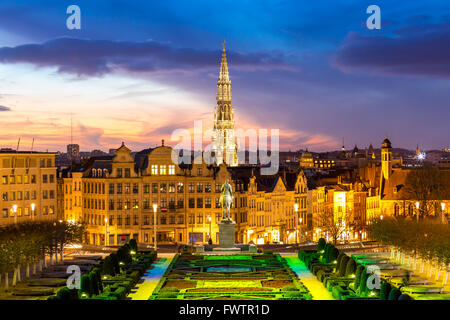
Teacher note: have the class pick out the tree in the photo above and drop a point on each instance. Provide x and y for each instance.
(428, 185)
(335, 225)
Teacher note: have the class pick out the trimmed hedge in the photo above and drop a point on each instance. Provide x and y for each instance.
(359, 270)
(133, 245)
(321, 245)
(384, 290)
(363, 283)
(394, 294)
(350, 268)
(85, 286)
(405, 296)
(342, 267)
(339, 259)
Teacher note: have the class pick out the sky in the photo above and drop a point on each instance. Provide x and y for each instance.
(138, 70)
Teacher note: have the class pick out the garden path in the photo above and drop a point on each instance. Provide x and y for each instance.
(151, 278)
(315, 287)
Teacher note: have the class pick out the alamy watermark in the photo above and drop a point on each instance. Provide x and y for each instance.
(374, 20)
(74, 20)
(73, 281)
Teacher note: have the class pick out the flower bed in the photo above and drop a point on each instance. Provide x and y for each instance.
(276, 283)
(180, 284)
(222, 290)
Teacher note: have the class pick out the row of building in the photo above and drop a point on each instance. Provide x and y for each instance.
(116, 197)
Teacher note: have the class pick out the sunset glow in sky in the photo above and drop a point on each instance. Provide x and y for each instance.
(138, 70)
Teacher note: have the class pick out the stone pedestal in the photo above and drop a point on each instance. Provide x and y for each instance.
(199, 249)
(226, 234)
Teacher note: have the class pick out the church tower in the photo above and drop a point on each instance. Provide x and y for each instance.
(224, 141)
(386, 158)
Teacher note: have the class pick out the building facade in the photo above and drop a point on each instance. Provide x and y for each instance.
(28, 186)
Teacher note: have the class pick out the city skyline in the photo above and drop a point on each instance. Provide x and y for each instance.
(317, 74)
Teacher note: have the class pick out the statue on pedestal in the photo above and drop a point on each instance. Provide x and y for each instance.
(226, 200)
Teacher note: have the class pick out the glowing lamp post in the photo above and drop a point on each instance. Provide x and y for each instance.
(417, 208)
(14, 209)
(210, 235)
(33, 206)
(106, 231)
(301, 233)
(443, 211)
(296, 223)
(155, 207)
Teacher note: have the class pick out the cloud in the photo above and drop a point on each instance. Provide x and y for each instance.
(414, 50)
(98, 57)
(3, 108)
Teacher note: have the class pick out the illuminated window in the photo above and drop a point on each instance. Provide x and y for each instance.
(172, 169)
(162, 170)
(154, 169)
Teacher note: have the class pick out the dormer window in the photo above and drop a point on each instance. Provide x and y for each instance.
(127, 172)
(162, 170)
(119, 172)
(94, 172)
(199, 172)
(171, 169)
(154, 169)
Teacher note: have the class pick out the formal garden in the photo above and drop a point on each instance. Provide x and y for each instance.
(113, 277)
(381, 276)
(221, 277)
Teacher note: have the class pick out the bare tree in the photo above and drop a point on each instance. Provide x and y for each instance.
(428, 185)
(335, 225)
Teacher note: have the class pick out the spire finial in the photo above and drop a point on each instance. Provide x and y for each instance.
(223, 44)
(162, 143)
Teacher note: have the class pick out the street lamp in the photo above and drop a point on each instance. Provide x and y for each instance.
(417, 207)
(296, 223)
(106, 230)
(155, 207)
(14, 209)
(443, 211)
(210, 238)
(301, 234)
(33, 206)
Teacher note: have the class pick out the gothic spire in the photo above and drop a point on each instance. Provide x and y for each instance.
(224, 76)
